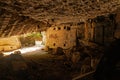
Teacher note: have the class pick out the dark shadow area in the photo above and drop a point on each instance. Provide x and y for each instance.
(109, 65)
(13, 67)
(17, 67)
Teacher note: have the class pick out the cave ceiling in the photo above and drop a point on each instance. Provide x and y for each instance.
(34, 15)
(60, 10)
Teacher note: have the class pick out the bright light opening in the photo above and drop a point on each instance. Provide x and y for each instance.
(26, 50)
(28, 42)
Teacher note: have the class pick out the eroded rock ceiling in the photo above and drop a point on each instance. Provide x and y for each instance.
(25, 13)
(63, 10)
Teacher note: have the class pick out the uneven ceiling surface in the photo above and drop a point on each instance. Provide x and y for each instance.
(63, 10)
(22, 16)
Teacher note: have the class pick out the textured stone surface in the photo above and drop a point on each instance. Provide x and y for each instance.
(52, 9)
(8, 44)
(23, 16)
(61, 36)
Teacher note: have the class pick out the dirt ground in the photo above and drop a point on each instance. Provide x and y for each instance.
(37, 65)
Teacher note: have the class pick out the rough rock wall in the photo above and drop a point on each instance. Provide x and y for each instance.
(100, 29)
(63, 36)
(80, 30)
(8, 44)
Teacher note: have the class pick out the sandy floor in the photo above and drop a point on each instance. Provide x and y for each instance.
(37, 65)
(49, 67)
